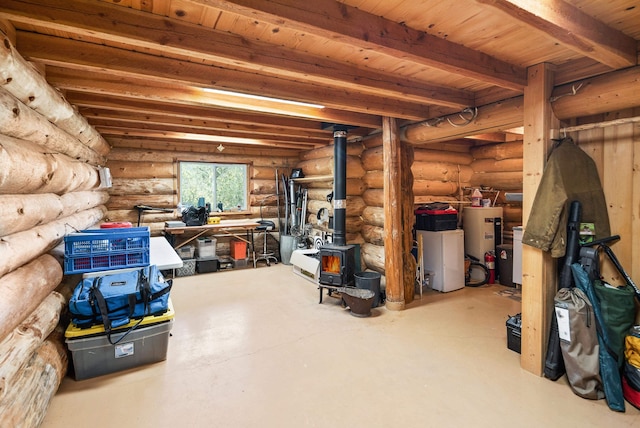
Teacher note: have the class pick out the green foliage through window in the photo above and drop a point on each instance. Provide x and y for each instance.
(215, 182)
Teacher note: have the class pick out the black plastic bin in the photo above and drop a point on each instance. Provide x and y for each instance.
(370, 281)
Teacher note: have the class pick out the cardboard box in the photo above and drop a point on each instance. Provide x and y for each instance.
(93, 355)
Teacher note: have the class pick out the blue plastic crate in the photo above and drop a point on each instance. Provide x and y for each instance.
(104, 249)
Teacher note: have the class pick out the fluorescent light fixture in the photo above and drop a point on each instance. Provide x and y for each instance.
(261, 98)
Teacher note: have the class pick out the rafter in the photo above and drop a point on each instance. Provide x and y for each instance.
(574, 29)
(335, 20)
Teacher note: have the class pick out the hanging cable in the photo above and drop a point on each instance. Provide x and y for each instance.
(574, 91)
(466, 116)
(471, 112)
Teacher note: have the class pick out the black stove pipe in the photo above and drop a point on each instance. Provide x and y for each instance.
(339, 185)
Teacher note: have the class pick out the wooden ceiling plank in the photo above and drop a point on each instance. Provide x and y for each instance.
(138, 89)
(147, 31)
(573, 28)
(335, 20)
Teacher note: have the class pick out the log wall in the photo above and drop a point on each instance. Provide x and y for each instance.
(499, 166)
(150, 177)
(49, 187)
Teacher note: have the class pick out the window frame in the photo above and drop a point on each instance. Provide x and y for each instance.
(227, 210)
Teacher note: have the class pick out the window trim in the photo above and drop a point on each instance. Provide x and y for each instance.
(249, 169)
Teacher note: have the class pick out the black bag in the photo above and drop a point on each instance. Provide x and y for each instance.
(193, 216)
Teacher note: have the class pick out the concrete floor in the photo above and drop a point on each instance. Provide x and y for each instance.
(253, 348)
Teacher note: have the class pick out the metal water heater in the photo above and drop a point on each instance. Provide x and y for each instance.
(482, 230)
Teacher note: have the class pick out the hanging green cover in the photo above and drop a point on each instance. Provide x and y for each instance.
(609, 371)
(618, 311)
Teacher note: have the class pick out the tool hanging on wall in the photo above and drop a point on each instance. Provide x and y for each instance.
(292, 204)
(286, 204)
(303, 213)
(278, 204)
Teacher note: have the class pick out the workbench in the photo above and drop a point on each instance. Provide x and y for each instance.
(235, 228)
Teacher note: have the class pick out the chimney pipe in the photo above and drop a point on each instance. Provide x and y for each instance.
(339, 184)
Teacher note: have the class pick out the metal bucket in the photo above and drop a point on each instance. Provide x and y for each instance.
(358, 300)
(369, 281)
(287, 245)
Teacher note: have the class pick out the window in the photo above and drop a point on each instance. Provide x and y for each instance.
(219, 184)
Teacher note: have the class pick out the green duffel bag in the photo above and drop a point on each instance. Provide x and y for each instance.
(618, 310)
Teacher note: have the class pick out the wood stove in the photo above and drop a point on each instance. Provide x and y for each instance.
(337, 260)
(337, 265)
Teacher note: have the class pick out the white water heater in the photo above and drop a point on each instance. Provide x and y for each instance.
(482, 230)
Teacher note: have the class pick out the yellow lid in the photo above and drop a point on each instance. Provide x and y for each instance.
(73, 331)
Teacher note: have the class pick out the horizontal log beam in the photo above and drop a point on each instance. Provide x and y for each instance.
(27, 167)
(33, 90)
(18, 346)
(19, 248)
(499, 116)
(19, 121)
(24, 289)
(611, 92)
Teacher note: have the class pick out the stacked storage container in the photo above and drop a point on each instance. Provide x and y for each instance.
(99, 253)
(206, 260)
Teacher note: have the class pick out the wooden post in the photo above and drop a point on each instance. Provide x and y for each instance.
(393, 242)
(408, 218)
(539, 279)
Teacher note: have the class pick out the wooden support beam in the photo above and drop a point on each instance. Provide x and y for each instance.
(611, 92)
(393, 232)
(539, 279)
(573, 28)
(498, 116)
(336, 20)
